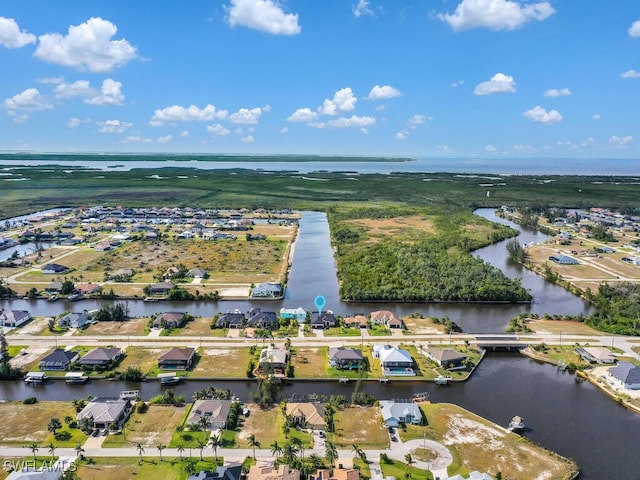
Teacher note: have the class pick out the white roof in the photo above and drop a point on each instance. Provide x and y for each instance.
(395, 354)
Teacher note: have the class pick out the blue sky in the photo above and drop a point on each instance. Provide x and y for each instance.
(485, 78)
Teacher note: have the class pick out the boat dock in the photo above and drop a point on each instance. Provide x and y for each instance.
(36, 378)
(75, 378)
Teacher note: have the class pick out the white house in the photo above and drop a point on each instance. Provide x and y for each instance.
(397, 413)
(394, 360)
(625, 375)
(14, 318)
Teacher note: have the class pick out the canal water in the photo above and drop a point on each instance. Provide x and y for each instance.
(563, 414)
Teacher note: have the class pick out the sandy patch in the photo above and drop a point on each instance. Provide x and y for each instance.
(33, 353)
(463, 430)
(235, 292)
(34, 327)
(214, 352)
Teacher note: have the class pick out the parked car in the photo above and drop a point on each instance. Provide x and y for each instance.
(321, 433)
(105, 431)
(391, 430)
(95, 432)
(394, 438)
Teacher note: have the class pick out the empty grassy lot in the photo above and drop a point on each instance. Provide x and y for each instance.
(134, 326)
(310, 362)
(149, 429)
(418, 325)
(561, 326)
(409, 227)
(222, 363)
(25, 424)
(150, 468)
(361, 426)
(146, 359)
(263, 423)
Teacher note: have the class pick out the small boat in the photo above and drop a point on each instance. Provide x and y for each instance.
(168, 379)
(516, 425)
(151, 299)
(75, 378)
(35, 378)
(74, 296)
(440, 380)
(52, 298)
(129, 394)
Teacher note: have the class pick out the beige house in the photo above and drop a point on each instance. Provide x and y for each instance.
(269, 472)
(307, 414)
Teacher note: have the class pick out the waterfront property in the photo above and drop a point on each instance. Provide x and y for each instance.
(256, 318)
(345, 358)
(267, 290)
(169, 320)
(356, 321)
(299, 314)
(323, 320)
(395, 413)
(177, 358)
(161, 288)
(625, 375)
(595, 354)
(59, 360)
(394, 360)
(75, 320)
(386, 318)
(306, 414)
(214, 412)
(273, 360)
(447, 358)
(235, 319)
(14, 318)
(53, 287)
(104, 411)
(101, 357)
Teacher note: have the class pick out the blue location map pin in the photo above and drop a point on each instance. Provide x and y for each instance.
(320, 302)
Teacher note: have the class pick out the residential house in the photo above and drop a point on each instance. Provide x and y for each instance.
(227, 472)
(345, 358)
(596, 354)
(215, 411)
(605, 249)
(75, 320)
(235, 319)
(338, 474)
(631, 260)
(102, 247)
(356, 321)
(273, 360)
(101, 357)
(446, 357)
(625, 375)
(30, 472)
(395, 413)
(563, 260)
(270, 472)
(169, 320)
(267, 290)
(475, 475)
(59, 359)
(103, 411)
(161, 288)
(177, 358)
(299, 314)
(394, 360)
(259, 319)
(121, 273)
(197, 273)
(53, 268)
(14, 318)
(88, 289)
(307, 414)
(323, 320)
(53, 287)
(386, 318)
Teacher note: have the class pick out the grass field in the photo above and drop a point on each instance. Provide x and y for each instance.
(134, 326)
(150, 468)
(25, 424)
(397, 469)
(310, 362)
(361, 426)
(222, 363)
(561, 326)
(150, 428)
(146, 359)
(263, 423)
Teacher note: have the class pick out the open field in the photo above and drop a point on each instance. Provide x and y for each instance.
(198, 326)
(361, 426)
(561, 326)
(150, 428)
(418, 325)
(408, 227)
(25, 424)
(263, 423)
(134, 326)
(146, 359)
(310, 362)
(222, 363)
(118, 468)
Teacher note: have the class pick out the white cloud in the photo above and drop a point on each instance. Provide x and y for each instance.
(495, 14)
(239, 131)
(113, 126)
(75, 122)
(218, 130)
(616, 141)
(303, 115)
(402, 135)
(266, 108)
(634, 29)
(489, 148)
(87, 46)
(457, 84)
(353, 121)
(540, 115)
(418, 119)
(80, 88)
(555, 92)
(630, 74)
(284, 129)
(383, 93)
(165, 139)
(264, 15)
(343, 101)
(595, 116)
(11, 36)
(364, 130)
(247, 139)
(51, 80)
(185, 134)
(177, 113)
(244, 116)
(362, 8)
(110, 94)
(499, 83)
(136, 139)
(444, 148)
(589, 142)
(28, 100)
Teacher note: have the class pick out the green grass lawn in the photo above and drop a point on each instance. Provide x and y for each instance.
(149, 468)
(398, 469)
(342, 332)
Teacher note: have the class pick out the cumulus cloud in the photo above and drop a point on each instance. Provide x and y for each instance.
(417, 119)
(218, 130)
(75, 122)
(444, 148)
(244, 116)
(303, 115)
(113, 126)
(165, 139)
(555, 92)
(499, 83)
(495, 14)
(80, 88)
(595, 116)
(88, 46)
(136, 139)
(178, 113)
(630, 74)
(247, 139)
(616, 141)
(489, 148)
(353, 121)
(540, 115)
(11, 36)
(634, 29)
(402, 135)
(110, 94)
(264, 15)
(362, 8)
(383, 93)
(457, 84)
(28, 100)
(185, 134)
(284, 129)
(343, 101)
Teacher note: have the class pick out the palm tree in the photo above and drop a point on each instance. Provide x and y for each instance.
(160, 447)
(34, 449)
(315, 460)
(140, 449)
(201, 445)
(289, 453)
(276, 449)
(180, 448)
(203, 423)
(214, 442)
(79, 450)
(299, 444)
(253, 443)
(52, 450)
(332, 454)
(190, 467)
(356, 450)
(409, 461)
